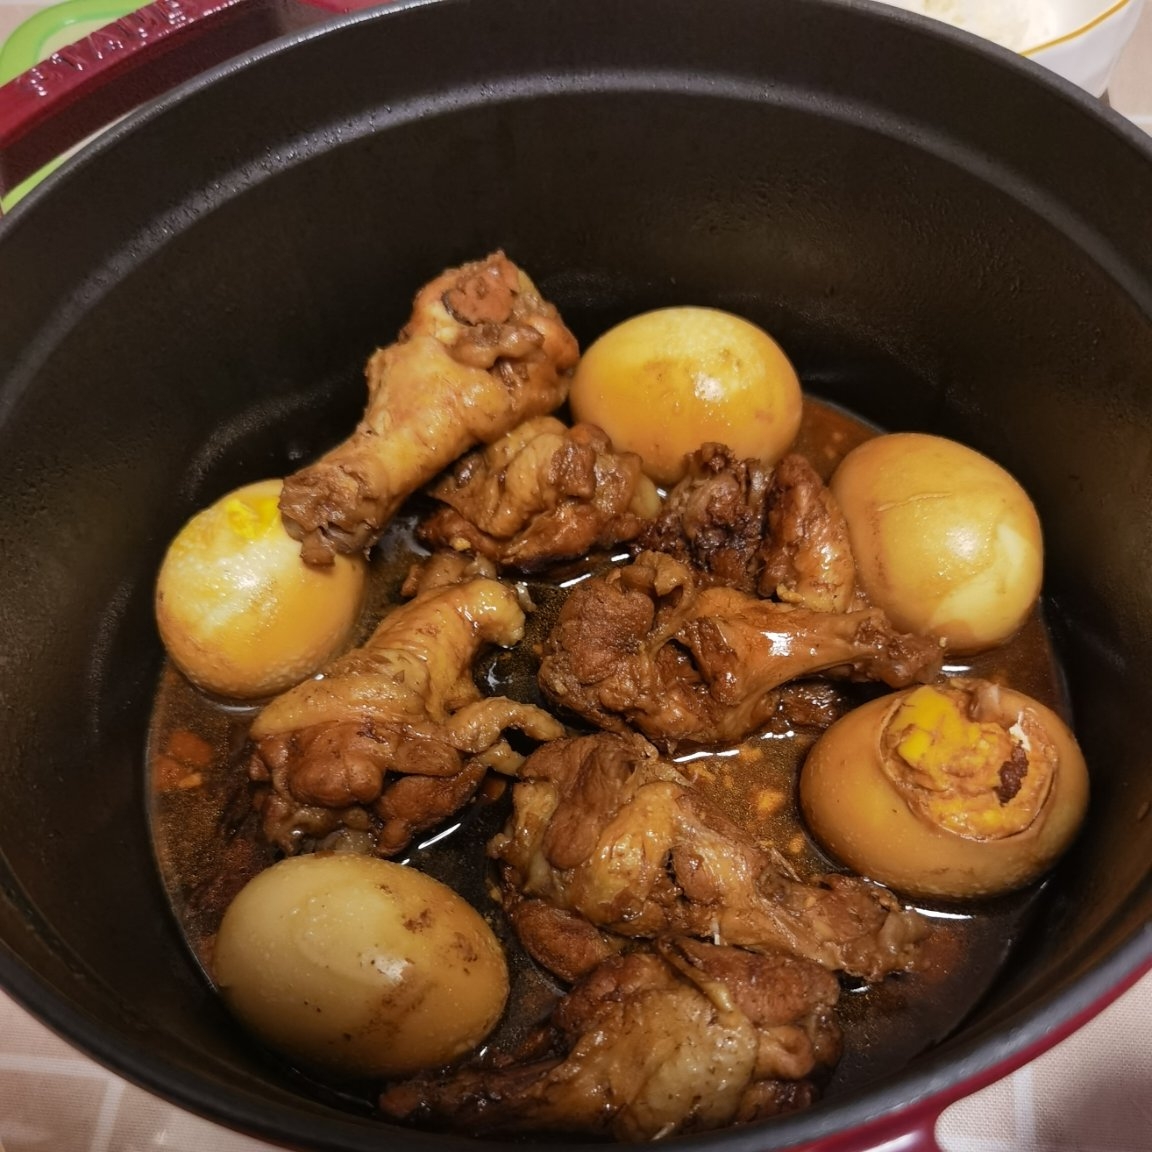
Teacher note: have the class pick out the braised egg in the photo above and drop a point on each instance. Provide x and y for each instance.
(359, 967)
(240, 614)
(961, 789)
(946, 541)
(662, 383)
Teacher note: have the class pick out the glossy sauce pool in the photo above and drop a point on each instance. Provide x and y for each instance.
(208, 845)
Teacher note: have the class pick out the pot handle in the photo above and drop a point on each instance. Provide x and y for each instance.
(79, 89)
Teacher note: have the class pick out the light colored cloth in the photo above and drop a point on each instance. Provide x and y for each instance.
(1091, 1093)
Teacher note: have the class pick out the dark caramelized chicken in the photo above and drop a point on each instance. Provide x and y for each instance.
(686, 1038)
(777, 532)
(395, 736)
(542, 493)
(647, 648)
(806, 558)
(481, 353)
(604, 829)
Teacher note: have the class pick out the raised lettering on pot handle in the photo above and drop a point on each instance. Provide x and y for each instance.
(86, 86)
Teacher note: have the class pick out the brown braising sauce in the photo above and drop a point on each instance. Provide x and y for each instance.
(208, 843)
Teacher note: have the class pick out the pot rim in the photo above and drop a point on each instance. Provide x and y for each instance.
(316, 25)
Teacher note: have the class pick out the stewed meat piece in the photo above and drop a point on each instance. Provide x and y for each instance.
(481, 353)
(806, 558)
(544, 492)
(687, 1037)
(394, 736)
(715, 518)
(646, 647)
(777, 531)
(605, 829)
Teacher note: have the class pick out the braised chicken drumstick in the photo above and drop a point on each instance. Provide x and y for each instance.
(481, 352)
(394, 736)
(645, 647)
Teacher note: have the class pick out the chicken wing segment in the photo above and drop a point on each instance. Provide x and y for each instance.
(394, 737)
(646, 647)
(481, 352)
(705, 973)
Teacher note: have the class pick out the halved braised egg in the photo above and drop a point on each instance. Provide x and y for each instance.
(960, 789)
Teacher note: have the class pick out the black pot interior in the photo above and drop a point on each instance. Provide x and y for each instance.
(942, 239)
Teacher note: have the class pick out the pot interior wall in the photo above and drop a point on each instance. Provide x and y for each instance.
(189, 310)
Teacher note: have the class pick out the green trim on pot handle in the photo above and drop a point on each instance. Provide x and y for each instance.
(36, 37)
(60, 101)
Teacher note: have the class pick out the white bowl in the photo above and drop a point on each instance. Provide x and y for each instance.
(1096, 34)
(1080, 40)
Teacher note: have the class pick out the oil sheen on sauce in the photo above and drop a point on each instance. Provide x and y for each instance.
(208, 844)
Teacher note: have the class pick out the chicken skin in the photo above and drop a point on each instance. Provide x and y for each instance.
(481, 352)
(688, 1037)
(394, 737)
(604, 829)
(646, 648)
(542, 493)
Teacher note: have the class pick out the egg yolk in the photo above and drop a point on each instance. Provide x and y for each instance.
(251, 517)
(973, 777)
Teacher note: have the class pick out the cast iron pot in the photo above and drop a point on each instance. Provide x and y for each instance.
(943, 237)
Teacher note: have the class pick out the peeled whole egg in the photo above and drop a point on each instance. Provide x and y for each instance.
(662, 383)
(239, 612)
(957, 790)
(359, 967)
(946, 541)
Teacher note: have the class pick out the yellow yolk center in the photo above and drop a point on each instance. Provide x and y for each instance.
(940, 743)
(252, 517)
(981, 779)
